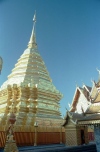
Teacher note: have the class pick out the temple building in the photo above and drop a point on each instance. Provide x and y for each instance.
(83, 115)
(36, 101)
(81, 99)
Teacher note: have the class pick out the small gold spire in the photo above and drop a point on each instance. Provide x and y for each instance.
(32, 42)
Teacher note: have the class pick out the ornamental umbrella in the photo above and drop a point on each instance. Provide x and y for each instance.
(1, 63)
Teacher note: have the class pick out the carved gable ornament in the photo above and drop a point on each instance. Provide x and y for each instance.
(1, 63)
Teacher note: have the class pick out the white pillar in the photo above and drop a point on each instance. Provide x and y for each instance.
(61, 134)
(35, 134)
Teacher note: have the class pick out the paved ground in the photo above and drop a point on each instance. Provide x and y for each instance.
(58, 148)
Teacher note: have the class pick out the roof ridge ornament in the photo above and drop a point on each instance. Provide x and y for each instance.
(32, 42)
(99, 73)
(76, 84)
(1, 63)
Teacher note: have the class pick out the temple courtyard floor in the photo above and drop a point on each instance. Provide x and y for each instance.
(58, 148)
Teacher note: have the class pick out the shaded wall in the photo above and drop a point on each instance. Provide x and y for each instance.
(75, 135)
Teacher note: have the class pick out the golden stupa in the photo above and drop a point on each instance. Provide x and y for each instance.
(35, 99)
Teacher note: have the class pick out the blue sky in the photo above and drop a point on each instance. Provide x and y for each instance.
(68, 38)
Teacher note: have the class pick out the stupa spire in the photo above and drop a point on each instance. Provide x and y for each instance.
(32, 42)
(30, 89)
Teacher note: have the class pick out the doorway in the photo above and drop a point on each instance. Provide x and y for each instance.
(82, 137)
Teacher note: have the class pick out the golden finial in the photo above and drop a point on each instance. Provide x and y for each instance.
(32, 42)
